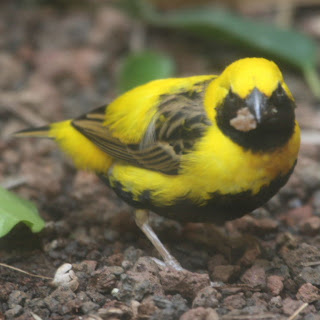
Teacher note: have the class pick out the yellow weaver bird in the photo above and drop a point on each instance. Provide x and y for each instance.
(198, 149)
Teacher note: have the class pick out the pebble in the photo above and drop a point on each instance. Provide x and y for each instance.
(225, 273)
(184, 282)
(200, 313)
(310, 226)
(14, 312)
(235, 301)
(169, 309)
(275, 284)
(275, 302)
(304, 252)
(254, 277)
(308, 293)
(66, 277)
(142, 280)
(311, 275)
(89, 306)
(207, 297)
(17, 297)
(290, 306)
(87, 266)
(146, 308)
(115, 310)
(103, 280)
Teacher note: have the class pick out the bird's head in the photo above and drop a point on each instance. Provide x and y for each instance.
(254, 106)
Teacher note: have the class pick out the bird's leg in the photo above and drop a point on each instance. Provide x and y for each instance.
(142, 221)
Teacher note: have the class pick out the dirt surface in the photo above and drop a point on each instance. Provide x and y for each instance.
(57, 64)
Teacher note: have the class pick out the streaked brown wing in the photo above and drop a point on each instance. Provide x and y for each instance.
(180, 121)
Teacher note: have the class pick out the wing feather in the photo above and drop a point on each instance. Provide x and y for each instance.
(180, 121)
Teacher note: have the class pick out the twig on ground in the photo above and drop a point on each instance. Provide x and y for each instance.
(310, 264)
(296, 313)
(25, 272)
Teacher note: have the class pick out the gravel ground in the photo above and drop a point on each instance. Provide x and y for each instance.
(59, 63)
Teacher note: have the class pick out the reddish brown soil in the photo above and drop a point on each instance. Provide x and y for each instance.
(59, 63)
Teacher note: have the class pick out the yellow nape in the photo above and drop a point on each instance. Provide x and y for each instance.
(82, 151)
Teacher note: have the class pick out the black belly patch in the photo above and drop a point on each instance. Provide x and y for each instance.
(219, 209)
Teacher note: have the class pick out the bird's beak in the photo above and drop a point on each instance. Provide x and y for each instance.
(257, 103)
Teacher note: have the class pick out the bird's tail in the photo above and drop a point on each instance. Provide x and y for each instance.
(85, 154)
(39, 132)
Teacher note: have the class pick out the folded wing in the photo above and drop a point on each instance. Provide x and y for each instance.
(179, 122)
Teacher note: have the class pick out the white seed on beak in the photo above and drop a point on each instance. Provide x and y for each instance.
(244, 121)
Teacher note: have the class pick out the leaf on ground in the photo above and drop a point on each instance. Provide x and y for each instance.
(214, 24)
(139, 68)
(14, 210)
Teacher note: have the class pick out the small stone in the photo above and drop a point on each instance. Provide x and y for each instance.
(126, 264)
(184, 282)
(14, 312)
(200, 313)
(89, 306)
(275, 284)
(146, 308)
(290, 306)
(62, 300)
(96, 297)
(207, 297)
(250, 256)
(115, 310)
(17, 297)
(66, 277)
(87, 266)
(225, 273)
(304, 252)
(141, 281)
(276, 302)
(115, 259)
(235, 301)
(311, 226)
(116, 270)
(103, 280)
(258, 299)
(254, 277)
(308, 293)
(169, 309)
(311, 316)
(311, 275)
(132, 254)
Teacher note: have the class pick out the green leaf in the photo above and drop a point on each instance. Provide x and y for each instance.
(142, 67)
(14, 209)
(216, 24)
